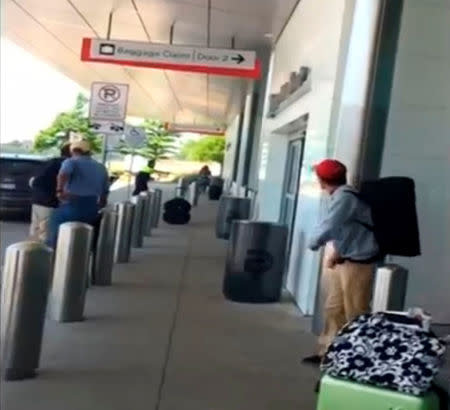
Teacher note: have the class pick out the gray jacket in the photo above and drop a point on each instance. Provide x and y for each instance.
(345, 224)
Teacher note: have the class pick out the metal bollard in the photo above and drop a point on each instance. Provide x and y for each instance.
(137, 233)
(390, 288)
(104, 254)
(156, 209)
(70, 273)
(193, 193)
(26, 280)
(122, 249)
(148, 213)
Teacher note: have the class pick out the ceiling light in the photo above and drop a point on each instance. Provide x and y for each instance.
(268, 35)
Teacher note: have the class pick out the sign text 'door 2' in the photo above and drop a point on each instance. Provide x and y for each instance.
(229, 62)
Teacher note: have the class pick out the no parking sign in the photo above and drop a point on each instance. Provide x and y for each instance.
(108, 107)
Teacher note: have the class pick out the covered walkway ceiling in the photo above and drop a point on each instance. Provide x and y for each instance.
(53, 29)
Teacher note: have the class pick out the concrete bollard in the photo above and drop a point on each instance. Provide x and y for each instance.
(104, 253)
(71, 271)
(180, 190)
(148, 213)
(122, 250)
(390, 286)
(193, 193)
(156, 209)
(137, 233)
(26, 280)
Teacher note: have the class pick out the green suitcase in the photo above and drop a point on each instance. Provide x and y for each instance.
(336, 394)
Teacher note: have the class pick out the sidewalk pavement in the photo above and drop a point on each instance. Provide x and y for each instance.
(164, 338)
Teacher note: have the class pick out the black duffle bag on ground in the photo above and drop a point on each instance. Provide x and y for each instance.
(177, 204)
(177, 211)
(386, 350)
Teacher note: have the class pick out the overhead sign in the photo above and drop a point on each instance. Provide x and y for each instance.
(237, 63)
(135, 137)
(107, 126)
(195, 129)
(108, 102)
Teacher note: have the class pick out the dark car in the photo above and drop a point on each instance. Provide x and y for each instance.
(16, 172)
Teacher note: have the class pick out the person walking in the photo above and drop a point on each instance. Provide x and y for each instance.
(142, 179)
(43, 196)
(205, 171)
(82, 188)
(350, 253)
(204, 178)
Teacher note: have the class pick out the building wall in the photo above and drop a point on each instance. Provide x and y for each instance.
(246, 138)
(359, 35)
(252, 107)
(312, 38)
(232, 136)
(262, 89)
(417, 144)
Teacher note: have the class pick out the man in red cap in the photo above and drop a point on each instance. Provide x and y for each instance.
(350, 252)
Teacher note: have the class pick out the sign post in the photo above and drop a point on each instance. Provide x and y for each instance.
(227, 62)
(134, 137)
(107, 110)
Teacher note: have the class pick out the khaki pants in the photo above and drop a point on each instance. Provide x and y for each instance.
(40, 219)
(348, 289)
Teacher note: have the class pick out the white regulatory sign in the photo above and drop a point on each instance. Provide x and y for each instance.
(108, 102)
(135, 137)
(107, 126)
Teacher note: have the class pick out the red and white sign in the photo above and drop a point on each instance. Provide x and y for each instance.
(236, 63)
(188, 128)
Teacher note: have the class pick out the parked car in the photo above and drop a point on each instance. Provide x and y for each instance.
(16, 171)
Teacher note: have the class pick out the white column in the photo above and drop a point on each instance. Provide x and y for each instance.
(354, 79)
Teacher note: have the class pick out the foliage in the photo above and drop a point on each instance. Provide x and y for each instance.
(159, 144)
(74, 120)
(207, 149)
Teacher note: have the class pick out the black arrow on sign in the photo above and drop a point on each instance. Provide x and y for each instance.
(239, 58)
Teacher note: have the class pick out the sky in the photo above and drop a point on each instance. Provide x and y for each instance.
(32, 93)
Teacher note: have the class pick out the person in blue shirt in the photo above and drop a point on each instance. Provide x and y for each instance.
(82, 187)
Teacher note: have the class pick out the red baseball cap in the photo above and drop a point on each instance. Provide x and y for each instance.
(331, 170)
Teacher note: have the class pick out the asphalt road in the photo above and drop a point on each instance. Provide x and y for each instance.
(11, 231)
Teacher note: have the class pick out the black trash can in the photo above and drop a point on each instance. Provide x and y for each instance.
(255, 262)
(230, 209)
(217, 181)
(215, 188)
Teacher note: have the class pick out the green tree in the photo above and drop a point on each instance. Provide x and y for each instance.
(158, 145)
(207, 149)
(74, 120)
